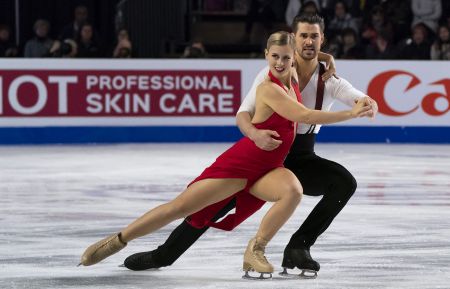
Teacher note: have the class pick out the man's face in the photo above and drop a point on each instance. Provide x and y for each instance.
(86, 32)
(308, 40)
(418, 34)
(42, 30)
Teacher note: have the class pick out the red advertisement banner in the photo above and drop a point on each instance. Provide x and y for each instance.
(93, 93)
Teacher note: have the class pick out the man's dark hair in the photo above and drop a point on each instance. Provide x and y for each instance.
(308, 18)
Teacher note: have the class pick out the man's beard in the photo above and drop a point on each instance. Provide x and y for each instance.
(307, 57)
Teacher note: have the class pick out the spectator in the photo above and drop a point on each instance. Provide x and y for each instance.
(440, 50)
(310, 7)
(399, 13)
(195, 50)
(71, 30)
(123, 48)
(88, 46)
(354, 7)
(266, 12)
(418, 47)
(445, 12)
(41, 45)
(295, 7)
(382, 48)
(333, 46)
(7, 48)
(342, 19)
(427, 12)
(69, 49)
(350, 48)
(216, 5)
(377, 22)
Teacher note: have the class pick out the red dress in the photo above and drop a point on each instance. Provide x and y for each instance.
(244, 160)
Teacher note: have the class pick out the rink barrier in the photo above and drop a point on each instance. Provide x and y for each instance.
(173, 134)
(49, 101)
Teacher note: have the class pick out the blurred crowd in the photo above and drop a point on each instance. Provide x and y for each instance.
(78, 38)
(360, 29)
(355, 29)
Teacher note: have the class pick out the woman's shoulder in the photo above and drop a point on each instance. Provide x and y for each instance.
(269, 90)
(267, 86)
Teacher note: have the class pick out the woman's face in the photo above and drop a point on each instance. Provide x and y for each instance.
(280, 59)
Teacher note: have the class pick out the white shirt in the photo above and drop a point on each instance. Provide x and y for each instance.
(339, 89)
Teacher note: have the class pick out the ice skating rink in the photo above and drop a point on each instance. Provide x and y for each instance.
(57, 200)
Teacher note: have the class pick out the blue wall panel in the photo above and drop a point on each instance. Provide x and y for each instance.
(79, 135)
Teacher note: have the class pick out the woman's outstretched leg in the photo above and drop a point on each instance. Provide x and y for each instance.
(282, 187)
(196, 197)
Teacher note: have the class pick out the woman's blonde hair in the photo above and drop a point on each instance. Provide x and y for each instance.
(281, 38)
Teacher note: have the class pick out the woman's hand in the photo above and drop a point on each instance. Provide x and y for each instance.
(362, 108)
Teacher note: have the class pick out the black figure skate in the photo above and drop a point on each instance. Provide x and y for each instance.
(142, 261)
(300, 258)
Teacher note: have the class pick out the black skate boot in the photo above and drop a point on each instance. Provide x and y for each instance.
(142, 261)
(300, 258)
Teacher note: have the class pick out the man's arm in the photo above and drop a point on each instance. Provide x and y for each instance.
(263, 138)
(346, 93)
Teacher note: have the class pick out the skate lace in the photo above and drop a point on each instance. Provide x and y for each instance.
(108, 246)
(258, 253)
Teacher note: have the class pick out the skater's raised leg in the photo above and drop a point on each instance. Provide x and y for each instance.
(194, 198)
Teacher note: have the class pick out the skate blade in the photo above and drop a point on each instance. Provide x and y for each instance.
(262, 276)
(150, 269)
(305, 274)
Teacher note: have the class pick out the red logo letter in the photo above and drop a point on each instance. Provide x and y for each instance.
(376, 90)
(429, 100)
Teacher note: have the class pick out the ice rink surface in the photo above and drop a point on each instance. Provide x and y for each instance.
(57, 200)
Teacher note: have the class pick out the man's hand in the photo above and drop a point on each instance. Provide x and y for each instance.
(330, 66)
(265, 139)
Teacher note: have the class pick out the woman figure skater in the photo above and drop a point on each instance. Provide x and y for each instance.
(244, 171)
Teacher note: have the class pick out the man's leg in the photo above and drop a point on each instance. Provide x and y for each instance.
(318, 176)
(178, 242)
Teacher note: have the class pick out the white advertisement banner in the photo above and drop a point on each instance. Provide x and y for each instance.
(178, 92)
(408, 93)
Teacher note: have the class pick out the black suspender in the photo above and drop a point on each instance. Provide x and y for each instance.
(319, 94)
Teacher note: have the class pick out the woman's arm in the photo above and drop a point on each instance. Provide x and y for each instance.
(291, 109)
